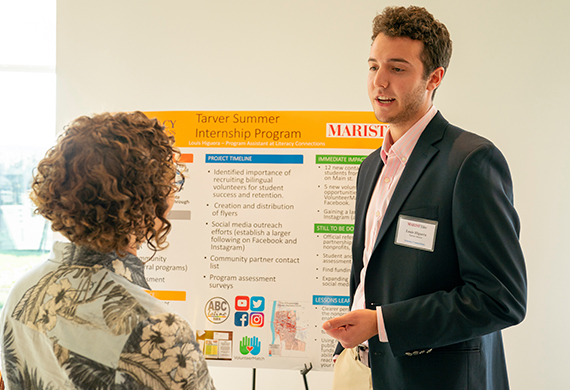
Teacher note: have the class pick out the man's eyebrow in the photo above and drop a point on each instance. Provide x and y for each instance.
(402, 60)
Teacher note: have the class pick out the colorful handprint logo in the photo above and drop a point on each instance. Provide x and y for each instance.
(250, 346)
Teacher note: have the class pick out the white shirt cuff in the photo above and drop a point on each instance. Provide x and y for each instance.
(381, 328)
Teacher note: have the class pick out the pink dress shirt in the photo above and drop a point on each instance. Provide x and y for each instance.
(395, 155)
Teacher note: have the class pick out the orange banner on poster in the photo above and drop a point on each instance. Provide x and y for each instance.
(273, 129)
(168, 295)
(186, 158)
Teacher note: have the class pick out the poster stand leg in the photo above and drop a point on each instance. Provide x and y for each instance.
(304, 372)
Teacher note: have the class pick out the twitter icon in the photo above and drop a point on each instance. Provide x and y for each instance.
(257, 303)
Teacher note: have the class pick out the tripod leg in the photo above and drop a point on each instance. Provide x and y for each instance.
(304, 372)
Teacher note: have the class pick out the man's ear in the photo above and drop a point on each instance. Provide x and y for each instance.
(435, 78)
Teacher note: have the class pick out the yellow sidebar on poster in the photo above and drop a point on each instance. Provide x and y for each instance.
(260, 248)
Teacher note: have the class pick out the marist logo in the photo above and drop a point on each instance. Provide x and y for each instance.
(356, 130)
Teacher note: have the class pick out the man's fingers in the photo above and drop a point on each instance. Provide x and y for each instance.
(328, 325)
(334, 323)
(338, 322)
(353, 327)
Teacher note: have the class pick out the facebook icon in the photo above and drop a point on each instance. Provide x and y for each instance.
(241, 318)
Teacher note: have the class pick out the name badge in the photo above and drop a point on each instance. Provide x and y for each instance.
(416, 233)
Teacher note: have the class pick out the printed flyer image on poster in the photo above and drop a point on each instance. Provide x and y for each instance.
(260, 247)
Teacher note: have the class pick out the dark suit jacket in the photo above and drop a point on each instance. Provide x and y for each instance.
(444, 310)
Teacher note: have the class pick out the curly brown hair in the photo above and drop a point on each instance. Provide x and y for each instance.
(418, 24)
(106, 181)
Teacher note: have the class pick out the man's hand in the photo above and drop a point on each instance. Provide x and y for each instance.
(353, 328)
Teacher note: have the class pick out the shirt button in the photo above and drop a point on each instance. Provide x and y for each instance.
(404, 159)
(377, 214)
(387, 180)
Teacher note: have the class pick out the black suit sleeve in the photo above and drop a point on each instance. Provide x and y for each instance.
(339, 349)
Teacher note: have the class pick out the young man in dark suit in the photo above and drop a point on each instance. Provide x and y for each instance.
(437, 267)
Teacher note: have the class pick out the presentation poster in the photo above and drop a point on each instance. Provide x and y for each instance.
(260, 248)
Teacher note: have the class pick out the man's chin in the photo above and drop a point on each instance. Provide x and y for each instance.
(383, 118)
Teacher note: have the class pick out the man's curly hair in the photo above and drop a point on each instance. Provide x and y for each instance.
(418, 24)
(106, 180)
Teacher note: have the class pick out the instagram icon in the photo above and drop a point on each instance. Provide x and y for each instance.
(256, 319)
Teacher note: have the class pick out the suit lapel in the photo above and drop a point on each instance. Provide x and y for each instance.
(368, 184)
(422, 154)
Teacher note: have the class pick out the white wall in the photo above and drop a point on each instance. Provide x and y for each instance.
(508, 81)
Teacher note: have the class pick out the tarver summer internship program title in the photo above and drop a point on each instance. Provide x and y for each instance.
(270, 137)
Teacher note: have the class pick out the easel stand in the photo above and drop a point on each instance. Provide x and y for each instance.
(304, 372)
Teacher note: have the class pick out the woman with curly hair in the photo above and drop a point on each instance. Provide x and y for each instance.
(82, 319)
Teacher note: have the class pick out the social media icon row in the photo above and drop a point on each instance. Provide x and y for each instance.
(244, 303)
(243, 318)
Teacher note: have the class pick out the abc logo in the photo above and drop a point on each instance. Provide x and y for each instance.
(256, 319)
(217, 310)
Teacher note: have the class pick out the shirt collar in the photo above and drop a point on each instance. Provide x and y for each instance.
(130, 267)
(403, 148)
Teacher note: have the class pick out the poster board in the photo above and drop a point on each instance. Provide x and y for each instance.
(260, 249)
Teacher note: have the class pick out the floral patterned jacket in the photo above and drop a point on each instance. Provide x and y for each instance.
(82, 320)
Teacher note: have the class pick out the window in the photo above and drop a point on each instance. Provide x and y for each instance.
(27, 112)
